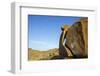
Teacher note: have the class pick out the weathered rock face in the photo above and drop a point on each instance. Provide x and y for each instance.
(77, 39)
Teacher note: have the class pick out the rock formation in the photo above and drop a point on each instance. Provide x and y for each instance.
(74, 40)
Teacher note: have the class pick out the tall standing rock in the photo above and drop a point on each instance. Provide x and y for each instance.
(77, 38)
(74, 40)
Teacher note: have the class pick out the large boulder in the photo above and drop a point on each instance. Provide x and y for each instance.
(77, 38)
(74, 40)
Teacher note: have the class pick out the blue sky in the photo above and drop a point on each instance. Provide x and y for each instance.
(44, 31)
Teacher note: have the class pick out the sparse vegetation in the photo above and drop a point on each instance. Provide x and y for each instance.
(43, 55)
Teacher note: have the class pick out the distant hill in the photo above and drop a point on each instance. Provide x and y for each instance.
(43, 55)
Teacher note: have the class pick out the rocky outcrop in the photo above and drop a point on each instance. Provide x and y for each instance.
(75, 39)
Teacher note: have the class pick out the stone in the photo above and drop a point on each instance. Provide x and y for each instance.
(75, 39)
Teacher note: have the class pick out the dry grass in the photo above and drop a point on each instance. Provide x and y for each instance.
(42, 55)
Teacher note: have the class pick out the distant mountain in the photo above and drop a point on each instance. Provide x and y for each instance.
(43, 55)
